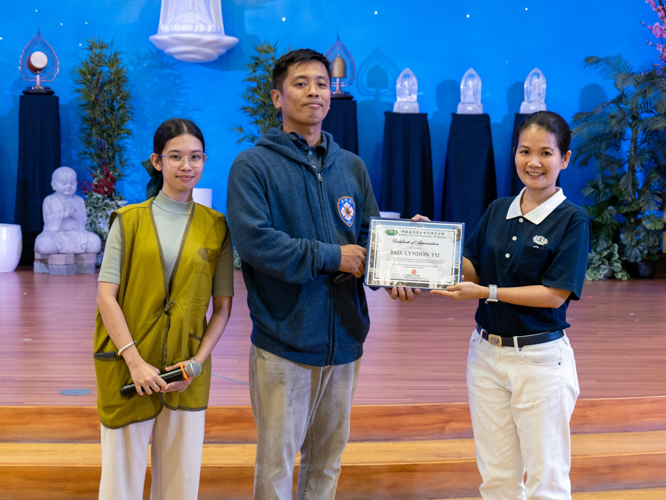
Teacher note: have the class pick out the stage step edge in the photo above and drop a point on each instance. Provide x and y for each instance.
(235, 424)
(617, 461)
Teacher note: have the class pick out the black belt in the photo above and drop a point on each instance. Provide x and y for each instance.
(523, 340)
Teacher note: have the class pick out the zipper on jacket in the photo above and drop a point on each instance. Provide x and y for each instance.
(330, 355)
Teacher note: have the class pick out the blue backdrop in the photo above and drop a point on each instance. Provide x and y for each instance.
(438, 40)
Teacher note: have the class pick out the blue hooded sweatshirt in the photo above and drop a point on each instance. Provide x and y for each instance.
(288, 223)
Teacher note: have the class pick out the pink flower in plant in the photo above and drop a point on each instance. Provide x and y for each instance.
(658, 29)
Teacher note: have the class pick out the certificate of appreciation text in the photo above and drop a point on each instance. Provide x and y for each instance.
(426, 255)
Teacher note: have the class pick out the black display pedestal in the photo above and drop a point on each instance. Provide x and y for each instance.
(342, 123)
(469, 181)
(38, 157)
(407, 185)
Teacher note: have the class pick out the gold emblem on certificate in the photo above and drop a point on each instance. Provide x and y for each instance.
(426, 255)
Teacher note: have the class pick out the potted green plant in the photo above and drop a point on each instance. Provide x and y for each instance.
(104, 98)
(625, 139)
(257, 96)
(258, 102)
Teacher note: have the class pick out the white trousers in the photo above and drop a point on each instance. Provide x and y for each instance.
(299, 407)
(521, 401)
(175, 457)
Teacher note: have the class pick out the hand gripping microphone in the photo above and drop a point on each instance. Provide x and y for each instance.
(191, 370)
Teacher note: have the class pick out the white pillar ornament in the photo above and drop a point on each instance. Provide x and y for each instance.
(470, 94)
(535, 92)
(407, 87)
(192, 30)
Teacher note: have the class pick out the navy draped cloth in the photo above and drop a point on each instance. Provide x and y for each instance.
(469, 180)
(407, 185)
(38, 157)
(342, 123)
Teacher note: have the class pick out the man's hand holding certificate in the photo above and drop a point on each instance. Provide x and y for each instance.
(421, 254)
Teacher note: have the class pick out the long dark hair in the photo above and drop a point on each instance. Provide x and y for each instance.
(551, 122)
(175, 127)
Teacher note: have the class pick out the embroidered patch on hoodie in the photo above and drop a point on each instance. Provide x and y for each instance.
(347, 209)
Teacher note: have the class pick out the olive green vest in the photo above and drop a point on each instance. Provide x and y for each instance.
(166, 319)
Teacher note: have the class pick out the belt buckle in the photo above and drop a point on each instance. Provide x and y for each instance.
(495, 340)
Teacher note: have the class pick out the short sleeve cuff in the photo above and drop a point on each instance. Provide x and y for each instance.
(575, 291)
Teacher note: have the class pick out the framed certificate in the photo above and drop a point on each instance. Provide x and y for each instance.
(426, 255)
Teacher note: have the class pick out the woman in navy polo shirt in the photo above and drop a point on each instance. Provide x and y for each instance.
(524, 261)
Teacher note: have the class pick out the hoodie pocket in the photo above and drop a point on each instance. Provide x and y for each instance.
(307, 326)
(298, 306)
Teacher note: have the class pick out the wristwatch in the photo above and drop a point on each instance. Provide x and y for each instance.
(492, 296)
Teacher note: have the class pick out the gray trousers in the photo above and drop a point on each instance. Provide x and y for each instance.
(299, 407)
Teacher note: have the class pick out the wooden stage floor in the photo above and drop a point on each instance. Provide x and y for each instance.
(415, 353)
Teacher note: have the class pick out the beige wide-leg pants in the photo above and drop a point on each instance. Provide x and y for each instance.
(175, 457)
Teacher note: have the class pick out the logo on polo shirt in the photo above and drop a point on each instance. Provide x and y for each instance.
(347, 209)
(540, 240)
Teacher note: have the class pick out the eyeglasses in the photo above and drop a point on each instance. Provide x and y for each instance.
(177, 161)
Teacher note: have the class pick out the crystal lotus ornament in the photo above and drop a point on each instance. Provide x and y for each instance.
(192, 30)
(342, 67)
(470, 94)
(39, 64)
(535, 92)
(406, 87)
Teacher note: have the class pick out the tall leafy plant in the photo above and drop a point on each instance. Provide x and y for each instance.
(257, 96)
(625, 140)
(104, 99)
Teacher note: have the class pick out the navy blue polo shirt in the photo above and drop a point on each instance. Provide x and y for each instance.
(548, 246)
(314, 155)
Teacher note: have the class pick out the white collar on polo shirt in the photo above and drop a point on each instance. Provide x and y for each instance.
(539, 214)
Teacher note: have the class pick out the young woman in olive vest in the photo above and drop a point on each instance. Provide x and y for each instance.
(163, 261)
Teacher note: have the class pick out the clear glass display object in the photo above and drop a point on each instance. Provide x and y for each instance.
(425, 255)
(535, 92)
(407, 86)
(470, 94)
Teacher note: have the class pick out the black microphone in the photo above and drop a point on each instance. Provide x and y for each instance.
(191, 370)
(340, 277)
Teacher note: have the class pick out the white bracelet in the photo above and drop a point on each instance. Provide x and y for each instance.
(125, 347)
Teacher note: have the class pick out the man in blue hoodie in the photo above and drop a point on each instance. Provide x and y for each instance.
(299, 209)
